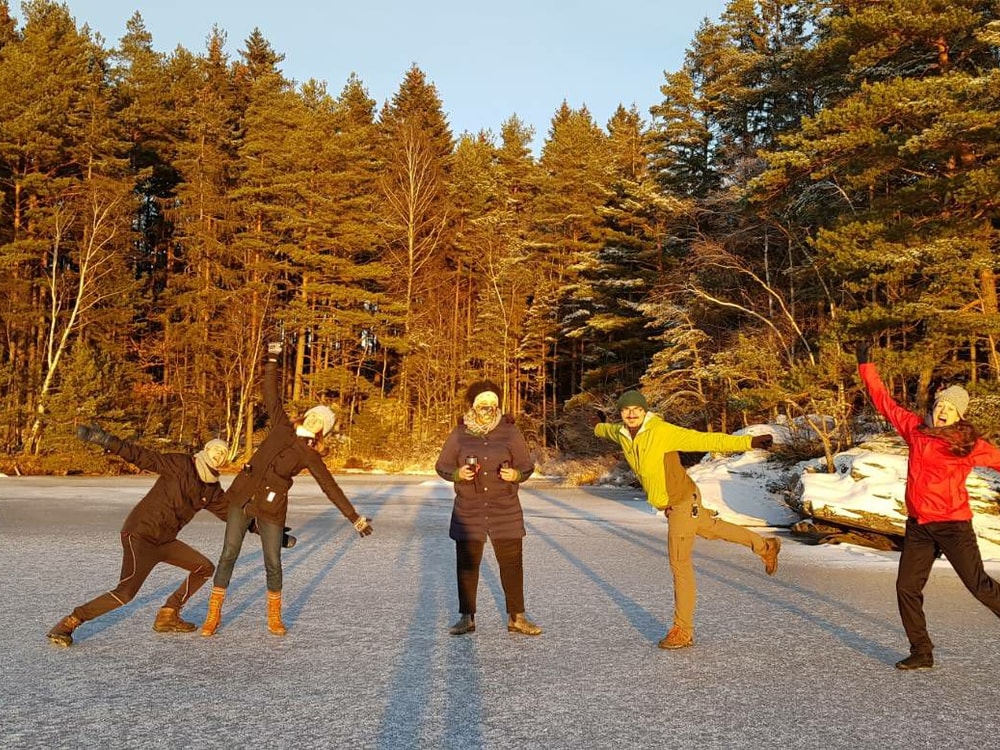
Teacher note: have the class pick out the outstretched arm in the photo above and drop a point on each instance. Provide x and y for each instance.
(144, 458)
(336, 495)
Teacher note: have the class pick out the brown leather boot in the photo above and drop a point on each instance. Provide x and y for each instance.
(520, 624)
(168, 620)
(62, 634)
(214, 615)
(274, 623)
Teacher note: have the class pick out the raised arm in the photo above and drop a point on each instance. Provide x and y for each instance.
(903, 420)
(272, 395)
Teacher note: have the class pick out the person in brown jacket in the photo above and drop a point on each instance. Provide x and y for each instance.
(186, 485)
(258, 496)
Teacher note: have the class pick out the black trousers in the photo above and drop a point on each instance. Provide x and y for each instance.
(469, 556)
(957, 540)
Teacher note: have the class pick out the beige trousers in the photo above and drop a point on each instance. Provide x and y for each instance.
(682, 528)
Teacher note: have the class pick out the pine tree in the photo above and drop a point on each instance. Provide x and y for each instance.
(65, 251)
(906, 167)
(567, 230)
(416, 148)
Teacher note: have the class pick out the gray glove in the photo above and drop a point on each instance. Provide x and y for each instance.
(91, 433)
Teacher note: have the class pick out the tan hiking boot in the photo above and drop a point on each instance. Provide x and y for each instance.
(168, 620)
(520, 624)
(214, 615)
(772, 546)
(62, 634)
(676, 638)
(274, 623)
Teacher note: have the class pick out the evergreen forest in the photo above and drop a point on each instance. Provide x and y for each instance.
(817, 173)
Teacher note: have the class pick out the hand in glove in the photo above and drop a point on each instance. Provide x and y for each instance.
(274, 349)
(762, 442)
(91, 433)
(593, 418)
(287, 540)
(363, 526)
(861, 352)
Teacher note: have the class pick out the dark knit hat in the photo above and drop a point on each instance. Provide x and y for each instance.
(632, 398)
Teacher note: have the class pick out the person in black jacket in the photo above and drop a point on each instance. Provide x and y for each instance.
(258, 496)
(487, 459)
(186, 485)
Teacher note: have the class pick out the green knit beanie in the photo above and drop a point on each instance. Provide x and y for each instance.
(632, 398)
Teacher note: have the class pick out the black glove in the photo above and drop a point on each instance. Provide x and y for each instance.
(363, 525)
(762, 442)
(274, 349)
(593, 418)
(861, 352)
(91, 433)
(287, 540)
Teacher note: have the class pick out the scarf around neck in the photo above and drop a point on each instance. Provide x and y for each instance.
(478, 427)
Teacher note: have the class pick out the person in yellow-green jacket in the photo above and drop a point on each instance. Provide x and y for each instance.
(651, 447)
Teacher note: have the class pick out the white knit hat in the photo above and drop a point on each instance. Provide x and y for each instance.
(326, 414)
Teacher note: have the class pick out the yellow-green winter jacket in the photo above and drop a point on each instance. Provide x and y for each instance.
(652, 454)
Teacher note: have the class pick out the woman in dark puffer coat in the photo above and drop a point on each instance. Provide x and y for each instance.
(487, 459)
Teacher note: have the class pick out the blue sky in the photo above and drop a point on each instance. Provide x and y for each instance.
(489, 62)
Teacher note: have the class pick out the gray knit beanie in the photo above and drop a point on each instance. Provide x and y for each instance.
(955, 395)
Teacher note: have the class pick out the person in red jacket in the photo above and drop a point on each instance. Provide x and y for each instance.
(186, 485)
(943, 451)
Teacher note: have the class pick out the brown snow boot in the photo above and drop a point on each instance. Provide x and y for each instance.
(772, 546)
(62, 634)
(274, 623)
(676, 638)
(214, 615)
(518, 623)
(168, 620)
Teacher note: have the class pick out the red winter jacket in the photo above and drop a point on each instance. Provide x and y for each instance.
(935, 477)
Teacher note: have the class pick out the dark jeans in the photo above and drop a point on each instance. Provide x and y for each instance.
(469, 556)
(139, 557)
(237, 524)
(957, 540)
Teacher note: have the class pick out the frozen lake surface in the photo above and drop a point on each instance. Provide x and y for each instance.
(799, 660)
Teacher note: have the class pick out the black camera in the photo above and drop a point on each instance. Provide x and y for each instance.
(503, 465)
